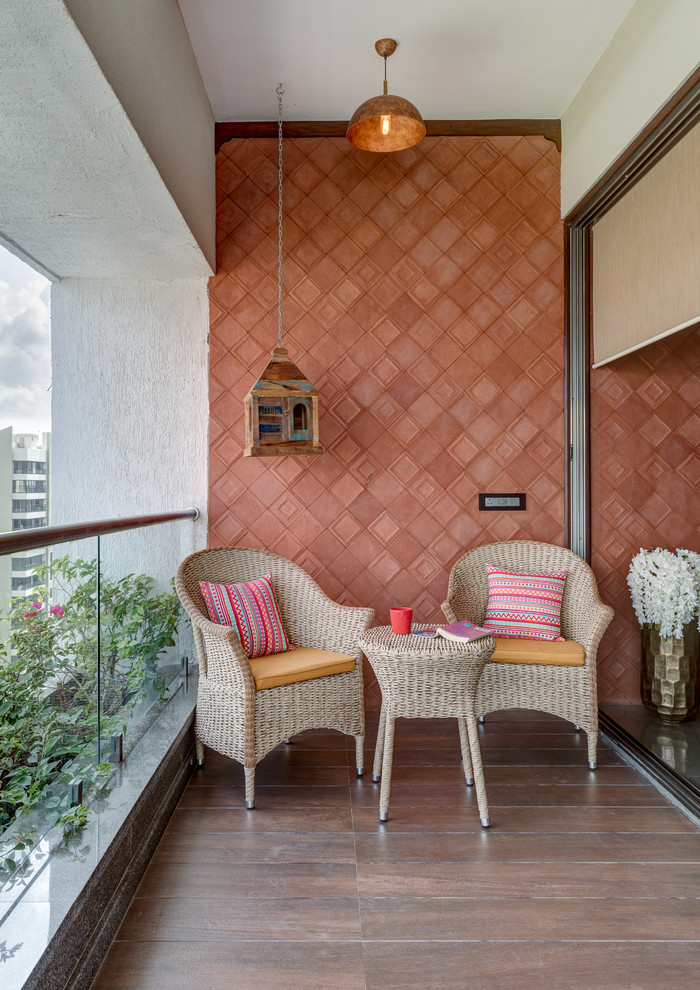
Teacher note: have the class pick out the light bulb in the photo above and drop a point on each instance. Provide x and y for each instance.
(386, 124)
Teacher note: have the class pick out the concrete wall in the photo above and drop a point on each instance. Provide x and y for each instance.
(145, 53)
(653, 52)
(107, 184)
(129, 408)
(83, 193)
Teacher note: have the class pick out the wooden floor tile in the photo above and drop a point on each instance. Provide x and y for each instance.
(531, 756)
(520, 880)
(518, 776)
(508, 918)
(263, 819)
(256, 847)
(397, 847)
(427, 733)
(512, 819)
(222, 880)
(267, 796)
(529, 965)
(232, 775)
(429, 796)
(229, 919)
(500, 756)
(298, 756)
(226, 965)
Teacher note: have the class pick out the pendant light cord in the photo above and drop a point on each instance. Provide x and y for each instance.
(280, 94)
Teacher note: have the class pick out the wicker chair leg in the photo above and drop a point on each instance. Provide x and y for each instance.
(379, 748)
(386, 767)
(592, 750)
(249, 787)
(199, 751)
(360, 755)
(481, 800)
(466, 752)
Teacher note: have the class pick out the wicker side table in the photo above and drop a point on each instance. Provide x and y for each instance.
(427, 678)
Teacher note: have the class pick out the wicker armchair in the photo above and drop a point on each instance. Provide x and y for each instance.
(245, 723)
(567, 691)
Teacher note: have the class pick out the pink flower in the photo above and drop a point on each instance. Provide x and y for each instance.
(57, 610)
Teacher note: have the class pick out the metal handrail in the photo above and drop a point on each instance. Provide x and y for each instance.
(42, 536)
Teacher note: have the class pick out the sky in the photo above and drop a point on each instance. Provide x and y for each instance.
(25, 347)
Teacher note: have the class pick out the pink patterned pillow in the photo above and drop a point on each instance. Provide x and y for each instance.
(524, 606)
(251, 608)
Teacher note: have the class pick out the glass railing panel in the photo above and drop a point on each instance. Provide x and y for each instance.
(93, 642)
(49, 707)
(145, 640)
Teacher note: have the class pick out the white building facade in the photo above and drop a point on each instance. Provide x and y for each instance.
(24, 504)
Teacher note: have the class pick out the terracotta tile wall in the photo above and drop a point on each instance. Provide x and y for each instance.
(645, 482)
(423, 298)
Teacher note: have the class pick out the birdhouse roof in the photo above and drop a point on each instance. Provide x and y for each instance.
(282, 377)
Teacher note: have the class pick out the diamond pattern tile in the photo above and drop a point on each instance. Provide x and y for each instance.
(645, 475)
(424, 299)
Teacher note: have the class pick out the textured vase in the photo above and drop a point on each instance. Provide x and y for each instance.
(670, 682)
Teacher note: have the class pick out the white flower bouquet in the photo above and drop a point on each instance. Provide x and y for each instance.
(665, 587)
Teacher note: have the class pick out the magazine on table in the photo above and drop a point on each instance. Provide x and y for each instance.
(458, 632)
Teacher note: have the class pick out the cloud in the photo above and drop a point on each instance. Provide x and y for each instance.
(25, 346)
(25, 353)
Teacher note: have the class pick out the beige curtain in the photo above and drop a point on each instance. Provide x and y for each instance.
(646, 257)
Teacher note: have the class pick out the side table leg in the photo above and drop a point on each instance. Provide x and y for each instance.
(379, 748)
(386, 767)
(466, 751)
(478, 771)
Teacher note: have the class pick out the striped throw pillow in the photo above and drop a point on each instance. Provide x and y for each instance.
(524, 606)
(251, 608)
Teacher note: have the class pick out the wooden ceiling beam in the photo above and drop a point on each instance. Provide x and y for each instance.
(549, 128)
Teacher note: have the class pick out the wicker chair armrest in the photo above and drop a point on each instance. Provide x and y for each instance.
(585, 616)
(224, 659)
(448, 611)
(598, 617)
(215, 629)
(331, 626)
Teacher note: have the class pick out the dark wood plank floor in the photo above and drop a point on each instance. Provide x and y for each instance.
(586, 881)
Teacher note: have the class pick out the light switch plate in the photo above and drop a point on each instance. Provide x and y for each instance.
(502, 501)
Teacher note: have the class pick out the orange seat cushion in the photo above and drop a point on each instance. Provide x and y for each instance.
(566, 654)
(303, 664)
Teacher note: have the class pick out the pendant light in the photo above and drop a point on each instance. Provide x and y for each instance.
(385, 123)
(281, 409)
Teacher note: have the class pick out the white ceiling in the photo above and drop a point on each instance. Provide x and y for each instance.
(457, 59)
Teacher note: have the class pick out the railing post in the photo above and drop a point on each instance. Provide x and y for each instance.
(76, 792)
(99, 654)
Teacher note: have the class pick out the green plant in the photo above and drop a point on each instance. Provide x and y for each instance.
(49, 702)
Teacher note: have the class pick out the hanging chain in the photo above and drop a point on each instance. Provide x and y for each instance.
(280, 94)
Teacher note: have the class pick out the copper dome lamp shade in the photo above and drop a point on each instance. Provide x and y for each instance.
(385, 123)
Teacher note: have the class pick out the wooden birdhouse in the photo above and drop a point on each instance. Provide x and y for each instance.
(281, 411)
